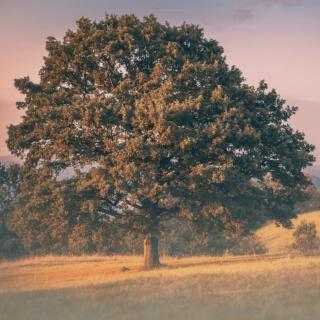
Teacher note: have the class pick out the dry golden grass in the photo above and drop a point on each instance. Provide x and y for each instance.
(99, 287)
(43, 273)
(277, 239)
(275, 286)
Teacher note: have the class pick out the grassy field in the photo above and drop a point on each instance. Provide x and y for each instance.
(96, 287)
(273, 286)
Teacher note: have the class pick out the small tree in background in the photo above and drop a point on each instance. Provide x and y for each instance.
(166, 126)
(306, 239)
(49, 217)
(10, 244)
(248, 245)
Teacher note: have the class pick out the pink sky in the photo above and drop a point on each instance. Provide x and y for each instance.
(275, 40)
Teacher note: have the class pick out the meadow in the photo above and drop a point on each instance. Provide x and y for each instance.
(278, 285)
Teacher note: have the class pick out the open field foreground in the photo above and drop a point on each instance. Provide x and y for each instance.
(97, 287)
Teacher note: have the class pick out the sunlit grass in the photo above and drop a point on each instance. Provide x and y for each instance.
(265, 287)
(277, 239)
(275, 286)
(52, 272)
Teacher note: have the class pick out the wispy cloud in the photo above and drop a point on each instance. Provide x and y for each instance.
(246, 9)
(244, 12)
(280, 2)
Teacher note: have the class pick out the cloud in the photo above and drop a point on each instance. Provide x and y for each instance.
(245, 10)
(243, 13)
(279, 2)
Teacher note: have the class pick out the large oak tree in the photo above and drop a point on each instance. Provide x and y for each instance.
(166, 127)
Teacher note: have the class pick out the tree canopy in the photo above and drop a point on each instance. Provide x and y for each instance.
(166, 127)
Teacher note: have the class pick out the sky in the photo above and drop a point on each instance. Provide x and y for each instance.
(274, 40)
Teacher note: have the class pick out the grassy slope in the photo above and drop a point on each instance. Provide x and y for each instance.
(261, 287)
(277, 239)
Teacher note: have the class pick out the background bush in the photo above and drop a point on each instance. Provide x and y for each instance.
(306, 239)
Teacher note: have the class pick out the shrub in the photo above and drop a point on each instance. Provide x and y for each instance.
(79, 241)
(306, 239)
(10, 245)
(248, 245)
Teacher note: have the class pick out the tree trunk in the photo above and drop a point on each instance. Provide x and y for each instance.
(151, 252)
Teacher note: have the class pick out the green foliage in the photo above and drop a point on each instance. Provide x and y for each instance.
(306, 239)
(247, 245)
(167, 129)
(50, 217)
(10, 245)
(181, 238)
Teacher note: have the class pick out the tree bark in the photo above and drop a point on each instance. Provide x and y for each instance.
(151, 252)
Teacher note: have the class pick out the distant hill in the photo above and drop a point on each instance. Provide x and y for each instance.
(314, 170)
(314, 173)
(316, 181)
(277, 239)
